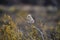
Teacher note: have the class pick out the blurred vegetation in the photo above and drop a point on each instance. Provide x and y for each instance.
(58, 31)
(10, 31)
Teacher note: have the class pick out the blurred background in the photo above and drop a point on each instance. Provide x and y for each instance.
(43, 17)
